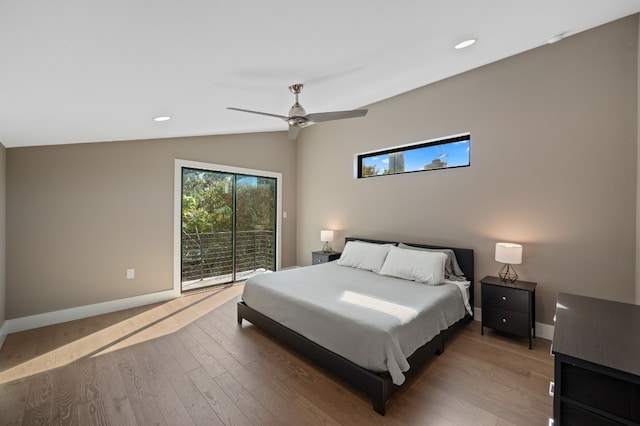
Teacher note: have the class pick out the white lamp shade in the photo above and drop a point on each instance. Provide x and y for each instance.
(326, 235)
(509, 253)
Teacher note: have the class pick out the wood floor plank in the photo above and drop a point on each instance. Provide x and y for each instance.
(256, 374)
(172, 345)
(18, 348)
(147, 411)
(301, 410)
(231, 338)
(192, 399)
(224, 407)
(199, 350)
(168, 402)
(408, 409)
(115, 401)
(18, 354)
(346, 404)
(93, 413)
(38, 402)
(139, 388)
(518, 380)
(87, 375)
(503, 400)
(13, 399)
(131, 375)
(243, 399)
(280, 358)
(289, 413)
(320, 416)
(228, 361)
(64, 388)
(223, 359)
(449, 407)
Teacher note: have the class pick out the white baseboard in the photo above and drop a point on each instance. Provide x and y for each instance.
(544, 331)
(4, 330)
(64, 315)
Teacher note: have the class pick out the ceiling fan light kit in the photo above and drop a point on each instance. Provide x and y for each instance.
(298, 117)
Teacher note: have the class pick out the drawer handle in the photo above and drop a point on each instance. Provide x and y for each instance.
(552, 388)
(504, 320)
(504, 298)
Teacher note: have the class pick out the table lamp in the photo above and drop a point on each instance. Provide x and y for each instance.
(326, 235)
(509, 254)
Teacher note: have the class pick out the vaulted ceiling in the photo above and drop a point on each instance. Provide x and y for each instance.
(88, 70)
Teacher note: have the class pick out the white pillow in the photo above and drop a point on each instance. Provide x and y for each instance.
(361, 255)
(421, 266)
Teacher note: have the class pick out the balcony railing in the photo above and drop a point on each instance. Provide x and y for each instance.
(210, 254)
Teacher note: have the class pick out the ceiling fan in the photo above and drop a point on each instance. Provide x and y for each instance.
(298, 117)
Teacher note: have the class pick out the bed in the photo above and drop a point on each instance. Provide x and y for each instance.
(398, 323)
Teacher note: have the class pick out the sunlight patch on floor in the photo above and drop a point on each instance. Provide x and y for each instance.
(164, 319)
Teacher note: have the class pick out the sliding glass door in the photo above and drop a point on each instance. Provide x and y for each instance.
(228, 226)
(255, 227)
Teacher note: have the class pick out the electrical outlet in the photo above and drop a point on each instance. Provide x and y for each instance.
(131, 274)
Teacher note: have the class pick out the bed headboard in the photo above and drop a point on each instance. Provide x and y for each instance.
(464, 256)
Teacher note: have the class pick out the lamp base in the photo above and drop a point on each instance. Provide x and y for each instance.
(507, 273)
(327, 247)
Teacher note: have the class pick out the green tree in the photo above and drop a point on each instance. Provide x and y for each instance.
(207, 203)
(371, 170)
(256, 203)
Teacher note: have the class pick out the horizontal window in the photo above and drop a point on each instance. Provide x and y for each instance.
(446, 153)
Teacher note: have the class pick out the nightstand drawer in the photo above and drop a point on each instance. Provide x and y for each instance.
(324, 257)
(512, 299)
(505, 320)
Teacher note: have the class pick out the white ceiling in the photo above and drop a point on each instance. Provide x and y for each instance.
(76, 71)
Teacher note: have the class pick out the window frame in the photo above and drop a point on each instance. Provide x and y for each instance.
(177, 209)
(409, 147)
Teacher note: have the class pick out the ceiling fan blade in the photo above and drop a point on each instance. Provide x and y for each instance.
(335, 115)
(283, 117)
(293, 132)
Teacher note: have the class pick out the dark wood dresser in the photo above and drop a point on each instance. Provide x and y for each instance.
(596, 344)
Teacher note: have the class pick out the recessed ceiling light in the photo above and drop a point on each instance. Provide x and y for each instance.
(162, 118)
(465, 43)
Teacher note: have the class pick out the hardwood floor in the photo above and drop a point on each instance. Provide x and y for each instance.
(188, 362)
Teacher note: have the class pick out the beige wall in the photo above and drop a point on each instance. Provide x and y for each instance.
(79, 215)
(553, 166)
(3, 164)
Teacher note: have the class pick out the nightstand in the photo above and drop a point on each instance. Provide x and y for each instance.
(509, 307)
(324, 256)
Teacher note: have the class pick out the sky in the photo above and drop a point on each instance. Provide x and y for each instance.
(455, 154)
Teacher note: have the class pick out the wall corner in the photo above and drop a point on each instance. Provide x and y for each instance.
(637, 275)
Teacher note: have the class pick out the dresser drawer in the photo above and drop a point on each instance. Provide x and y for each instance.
(575, 416)
(579, 386)
(505, 320)
(512, 299)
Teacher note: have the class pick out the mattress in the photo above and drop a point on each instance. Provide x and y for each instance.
(374, 321)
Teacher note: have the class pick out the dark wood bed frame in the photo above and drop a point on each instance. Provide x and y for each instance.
(378, 386)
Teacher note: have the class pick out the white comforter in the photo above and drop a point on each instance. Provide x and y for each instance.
(372, 320)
